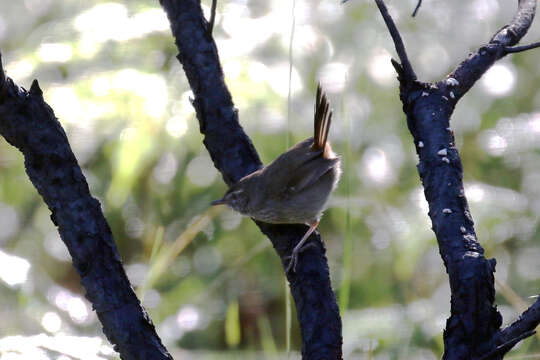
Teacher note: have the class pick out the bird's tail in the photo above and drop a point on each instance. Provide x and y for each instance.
(323, 119)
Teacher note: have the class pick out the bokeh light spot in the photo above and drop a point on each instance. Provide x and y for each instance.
(475, 193)
(496, 145)
(51, 322)
(188, 318)
(55, 52)
(177, 126)
(66, 103)
(279, 80)
(499, 80)
(13, 269)
(374, 168)
(334, 76)
(166, 168)
(9, 222)
(257, 71)
(380, 68)
(534, 122)
(101, 85)
(201, 171)
(77, 309)
(18, 70)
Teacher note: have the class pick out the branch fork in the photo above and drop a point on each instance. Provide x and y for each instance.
(473, 329)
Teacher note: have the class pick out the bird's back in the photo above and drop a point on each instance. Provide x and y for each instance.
(295, 187)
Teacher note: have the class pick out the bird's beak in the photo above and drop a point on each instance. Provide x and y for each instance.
(218, 202)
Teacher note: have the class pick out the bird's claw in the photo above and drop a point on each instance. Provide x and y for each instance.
(294, 257)
(292, 263)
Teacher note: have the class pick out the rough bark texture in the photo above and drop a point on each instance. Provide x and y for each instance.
(29, 124)
(234, 156)
(473, 329)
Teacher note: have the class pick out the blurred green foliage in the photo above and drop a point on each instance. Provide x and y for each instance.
(210, 280)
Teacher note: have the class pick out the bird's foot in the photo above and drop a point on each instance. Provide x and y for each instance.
(294, 256)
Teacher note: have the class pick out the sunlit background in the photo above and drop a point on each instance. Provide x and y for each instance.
(209, 279)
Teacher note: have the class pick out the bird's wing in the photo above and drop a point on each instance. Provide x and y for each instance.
(308, 173)
(278, 171)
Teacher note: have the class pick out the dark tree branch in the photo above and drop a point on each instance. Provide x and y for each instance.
(212, 17)
(516, 49)
(408, 71)
(509, 35)
(2, 74)
(417, 8)
(527, 321)
(507, 346)
(29, 124)
(234, 156)
(473, 329)
(471, 69)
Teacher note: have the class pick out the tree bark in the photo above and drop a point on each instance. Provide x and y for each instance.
(473, 329)
(28, 123)
(234, 156)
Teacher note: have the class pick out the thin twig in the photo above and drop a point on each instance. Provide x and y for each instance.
(516, 49)
(1, 68)
(212, 17)
(504, 348)
(527, 321)
(417, 8)
(291, 58)
(408, 71)
(2, 73)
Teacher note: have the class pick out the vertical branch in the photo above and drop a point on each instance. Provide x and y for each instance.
(408, 71)
(234, 156)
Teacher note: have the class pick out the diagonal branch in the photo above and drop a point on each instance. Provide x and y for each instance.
(516, 49)
(408, 71)
(472, 68)
(417, 8)
(28, 123)
(511, 34)
(507, 346)
(234, 156)
(528, 321)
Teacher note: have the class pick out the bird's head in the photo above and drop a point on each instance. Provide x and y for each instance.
(236, 198)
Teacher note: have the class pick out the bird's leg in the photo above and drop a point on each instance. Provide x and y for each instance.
(300, 247)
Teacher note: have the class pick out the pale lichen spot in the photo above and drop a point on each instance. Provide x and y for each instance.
(452, 82)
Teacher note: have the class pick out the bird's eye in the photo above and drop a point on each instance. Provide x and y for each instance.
(238, 198)
(236, 194)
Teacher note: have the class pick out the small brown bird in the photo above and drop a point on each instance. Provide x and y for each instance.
(295, 187)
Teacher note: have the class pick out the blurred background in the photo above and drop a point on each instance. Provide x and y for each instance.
(209, 279)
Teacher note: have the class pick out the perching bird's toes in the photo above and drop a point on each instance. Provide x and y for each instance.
(294, 256)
